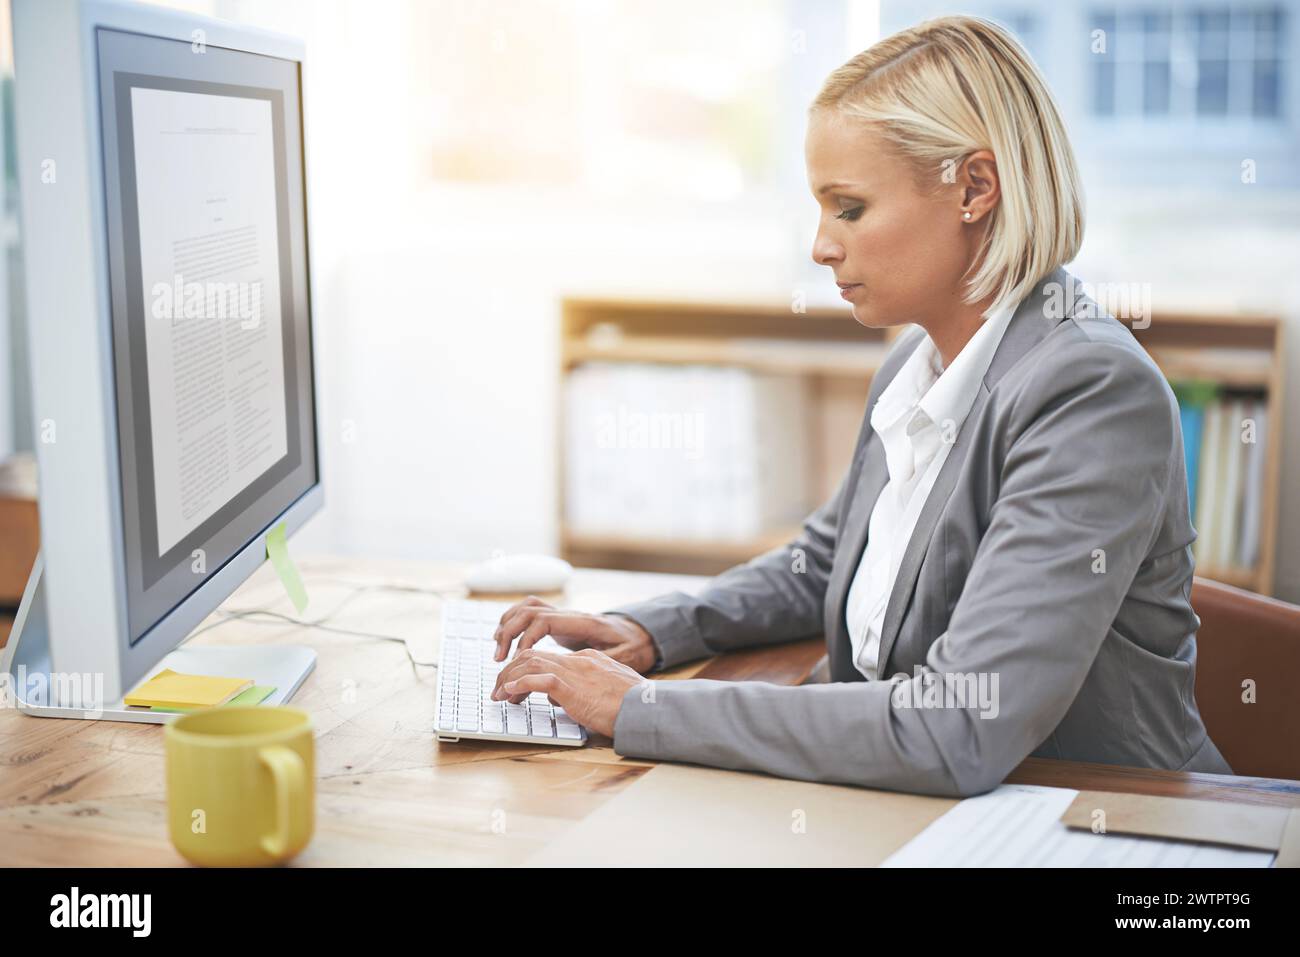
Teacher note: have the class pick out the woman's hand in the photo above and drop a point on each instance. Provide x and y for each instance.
(620, 638)
(588, 684)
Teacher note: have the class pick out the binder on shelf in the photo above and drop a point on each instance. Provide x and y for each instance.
(1193, 396)
(683, 452)
(1208, 482)
(1229, 449)
(1253, 487)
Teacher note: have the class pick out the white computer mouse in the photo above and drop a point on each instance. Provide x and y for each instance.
(517, 574)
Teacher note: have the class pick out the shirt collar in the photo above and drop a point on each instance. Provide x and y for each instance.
(904, 392)
(951, 396)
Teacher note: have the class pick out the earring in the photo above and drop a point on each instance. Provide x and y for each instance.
(966, 215)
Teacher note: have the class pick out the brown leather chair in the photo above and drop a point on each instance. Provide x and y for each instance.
(1247, 636)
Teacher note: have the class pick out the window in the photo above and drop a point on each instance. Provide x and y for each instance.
(673, 99)
(1208, 62)
(1023, 25)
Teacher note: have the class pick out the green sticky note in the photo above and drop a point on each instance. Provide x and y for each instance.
(249, 696)
(278, 552)
(254, 695)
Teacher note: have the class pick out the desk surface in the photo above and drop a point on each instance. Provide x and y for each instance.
(83, 793)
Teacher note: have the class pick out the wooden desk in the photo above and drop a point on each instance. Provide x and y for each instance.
(84, 793)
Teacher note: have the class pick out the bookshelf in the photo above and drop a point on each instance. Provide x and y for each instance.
(836, 359)
(1242, 356)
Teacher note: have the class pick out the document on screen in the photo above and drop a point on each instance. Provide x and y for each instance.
(209, 261)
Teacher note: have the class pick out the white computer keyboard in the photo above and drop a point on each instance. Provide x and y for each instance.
(467, 675)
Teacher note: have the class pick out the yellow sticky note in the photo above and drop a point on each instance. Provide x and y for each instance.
(171, 689)
(278, 552)
(253, 696)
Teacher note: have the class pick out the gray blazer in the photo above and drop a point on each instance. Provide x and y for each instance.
(1041, 607)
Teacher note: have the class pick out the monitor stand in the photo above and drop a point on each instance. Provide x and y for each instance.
(26, 668)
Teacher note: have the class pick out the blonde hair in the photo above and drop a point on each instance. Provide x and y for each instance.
(942, 90)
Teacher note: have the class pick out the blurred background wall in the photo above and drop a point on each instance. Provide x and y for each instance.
(472, 163)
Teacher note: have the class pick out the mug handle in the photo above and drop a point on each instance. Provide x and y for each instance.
(286, 767)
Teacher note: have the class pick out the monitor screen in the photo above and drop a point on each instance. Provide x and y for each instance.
(206, 214)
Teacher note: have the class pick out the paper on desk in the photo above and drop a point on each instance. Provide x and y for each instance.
(1019, 825)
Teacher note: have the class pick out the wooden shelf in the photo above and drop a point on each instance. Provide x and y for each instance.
(682, 555)
(762, 355)
(1248, 369)
(747, 547)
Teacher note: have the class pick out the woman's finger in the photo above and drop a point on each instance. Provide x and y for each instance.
(534, 664)
(549, 684)
(515, 620)
(569, 629)
(531, 663)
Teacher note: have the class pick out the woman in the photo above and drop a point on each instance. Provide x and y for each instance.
(1005, 569)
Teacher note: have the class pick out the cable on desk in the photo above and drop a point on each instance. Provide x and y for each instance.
(248, 614)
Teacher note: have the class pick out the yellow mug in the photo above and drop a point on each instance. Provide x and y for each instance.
(241, 785)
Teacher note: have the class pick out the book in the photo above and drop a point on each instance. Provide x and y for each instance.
(1253, 489)
(1192, 419)
(1210, 481)
(1193, 396)
(1228, 507)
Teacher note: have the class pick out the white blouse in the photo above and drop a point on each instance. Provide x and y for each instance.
(917, 418)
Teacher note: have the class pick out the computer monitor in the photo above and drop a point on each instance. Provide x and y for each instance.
(164, 219)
